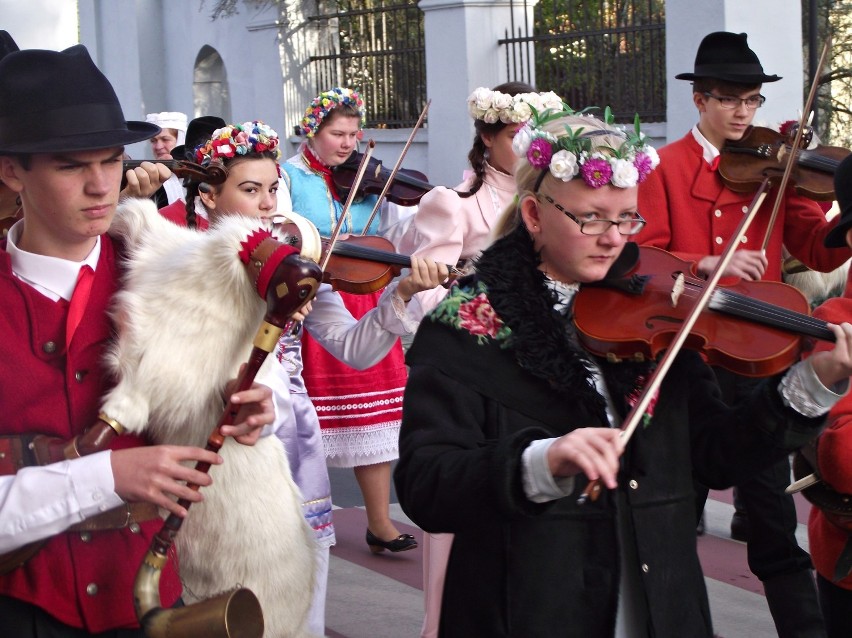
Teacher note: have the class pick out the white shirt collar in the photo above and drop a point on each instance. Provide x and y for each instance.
(564, 293)
(51, 276)
(710, 151)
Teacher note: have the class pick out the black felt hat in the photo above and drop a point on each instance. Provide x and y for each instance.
(61, 102)
(727, 56)
(198, 131)
(7, 44)
(843, 191)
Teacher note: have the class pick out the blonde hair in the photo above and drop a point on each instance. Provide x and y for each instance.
(528, 178)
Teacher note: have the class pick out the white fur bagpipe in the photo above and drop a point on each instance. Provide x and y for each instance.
(186, 315)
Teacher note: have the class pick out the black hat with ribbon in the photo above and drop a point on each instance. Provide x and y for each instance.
(727, 56)
(61, 102)
(198, 131)
(843, 192)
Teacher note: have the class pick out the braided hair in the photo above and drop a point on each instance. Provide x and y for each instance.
(478, 155)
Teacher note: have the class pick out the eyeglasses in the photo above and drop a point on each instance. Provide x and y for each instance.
(600, 226)
(730, 102)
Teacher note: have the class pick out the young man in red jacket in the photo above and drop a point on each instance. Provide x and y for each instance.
(62, 136)
(691, 212)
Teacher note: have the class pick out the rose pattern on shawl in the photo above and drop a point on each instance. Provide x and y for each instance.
(470, 310)
(634, 397)
(478, 317)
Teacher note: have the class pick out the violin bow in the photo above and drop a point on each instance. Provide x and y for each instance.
(634, 417)
(396, 167)
(359, 175)
(794, 150)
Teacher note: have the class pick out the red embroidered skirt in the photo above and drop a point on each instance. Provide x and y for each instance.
(360, 411)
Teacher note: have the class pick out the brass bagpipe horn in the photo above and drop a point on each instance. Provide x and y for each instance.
(287, 280)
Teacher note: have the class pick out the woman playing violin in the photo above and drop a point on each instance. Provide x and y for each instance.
(249, 153)
(693, 213)
(456, 224)
(361, 409)
(506, 419)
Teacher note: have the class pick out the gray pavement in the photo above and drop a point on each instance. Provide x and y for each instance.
(380, 596)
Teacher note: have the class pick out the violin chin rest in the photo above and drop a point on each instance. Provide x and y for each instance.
(311, 242)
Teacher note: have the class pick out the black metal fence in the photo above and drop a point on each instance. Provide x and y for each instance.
(591, 52)
(594, 52)
(376, 47)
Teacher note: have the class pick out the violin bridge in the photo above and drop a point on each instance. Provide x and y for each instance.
(677, 289)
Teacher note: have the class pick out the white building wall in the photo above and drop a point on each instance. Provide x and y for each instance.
(774, 30)
(148, 50)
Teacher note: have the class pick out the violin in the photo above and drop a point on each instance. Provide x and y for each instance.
(753, 328)
(763, 152)
(406, 189)
(213, 174)
(359, 264)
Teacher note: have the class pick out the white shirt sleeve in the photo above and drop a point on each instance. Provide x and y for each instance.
(802, 390)
(38, 502)
(357, 343)
(540, 486)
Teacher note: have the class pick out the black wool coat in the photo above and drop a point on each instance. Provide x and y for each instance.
(493, 369)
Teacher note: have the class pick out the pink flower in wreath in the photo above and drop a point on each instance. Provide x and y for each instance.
(539, 153)
(478, 317)
(643, 165)
(596, 172)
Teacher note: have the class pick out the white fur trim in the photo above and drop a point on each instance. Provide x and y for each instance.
(187, 313)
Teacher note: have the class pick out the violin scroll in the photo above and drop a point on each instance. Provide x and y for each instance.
(763, 152)
(406, 189)
(212, 174)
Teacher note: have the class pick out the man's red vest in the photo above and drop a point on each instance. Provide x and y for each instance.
(82, 579)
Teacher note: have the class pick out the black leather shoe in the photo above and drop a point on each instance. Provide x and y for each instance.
(401, 543)
(739, 526)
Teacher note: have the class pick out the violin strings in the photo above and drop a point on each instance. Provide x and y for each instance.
(764, 312)
(815, 160)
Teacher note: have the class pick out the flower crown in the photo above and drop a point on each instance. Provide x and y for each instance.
(323, 104)
(494, 106)
(576, 153)
(238, 139)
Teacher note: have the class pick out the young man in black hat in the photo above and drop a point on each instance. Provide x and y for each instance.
(691, 212)
(62, 136)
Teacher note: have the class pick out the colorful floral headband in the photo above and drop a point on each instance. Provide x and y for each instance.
(575, 152)
(238, 139)
(494, 106)
(323, 104)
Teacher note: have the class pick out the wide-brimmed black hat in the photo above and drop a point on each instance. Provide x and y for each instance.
(198, 131)
(727, 56)
(843, 192)
(61, 102)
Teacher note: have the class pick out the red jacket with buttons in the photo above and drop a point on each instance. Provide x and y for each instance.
(826, 539)
(691, 213)
(44, 389)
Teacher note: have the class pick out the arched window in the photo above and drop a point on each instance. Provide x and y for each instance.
(210, 85)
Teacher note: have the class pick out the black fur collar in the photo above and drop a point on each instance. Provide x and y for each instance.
(542, 339)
